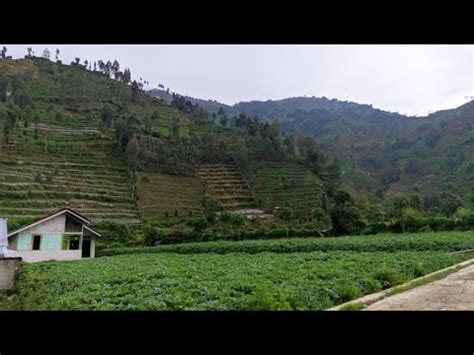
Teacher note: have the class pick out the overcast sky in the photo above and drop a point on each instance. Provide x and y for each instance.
(410, 79)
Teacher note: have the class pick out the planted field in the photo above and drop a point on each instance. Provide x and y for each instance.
(276, 184)
(169, 197)
(266, 281)
(40, 173)
(443, 241)
(227, 186)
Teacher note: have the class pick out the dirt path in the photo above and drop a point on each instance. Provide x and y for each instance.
(455, 292)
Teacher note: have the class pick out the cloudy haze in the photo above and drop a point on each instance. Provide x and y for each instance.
(411, 79)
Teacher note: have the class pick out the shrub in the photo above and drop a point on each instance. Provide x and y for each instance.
(237, 219)
(286, 213)
(225, 217)
(152, 234)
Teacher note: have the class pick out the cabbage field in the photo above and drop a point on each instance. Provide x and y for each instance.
(304, 280)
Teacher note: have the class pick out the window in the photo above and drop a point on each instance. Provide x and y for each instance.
(36, 242)
(74, 244)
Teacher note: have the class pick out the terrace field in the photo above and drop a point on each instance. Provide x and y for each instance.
(278, 183)
(163, 197)
(64, 165)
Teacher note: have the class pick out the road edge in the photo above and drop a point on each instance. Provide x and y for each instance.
(378, 296)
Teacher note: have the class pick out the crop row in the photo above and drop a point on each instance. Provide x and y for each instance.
(443, 241)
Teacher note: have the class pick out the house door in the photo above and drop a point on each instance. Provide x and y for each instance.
(86, 248)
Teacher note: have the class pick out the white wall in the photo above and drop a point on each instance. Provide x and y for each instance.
(55, 225)
(42, 255)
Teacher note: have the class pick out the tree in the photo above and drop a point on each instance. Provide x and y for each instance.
(175, 129)
(135, 91)
(450, 203)
(107, 115)
(115, 67)
(321, 220)
(347, 219)
(126, 76)
(46, 54)
(3, 119)
(345, 215)
(398, 205)
(3, 88)
(286, 213)
(57, 54)
(4, 53)
(30, 52)
(133, 150)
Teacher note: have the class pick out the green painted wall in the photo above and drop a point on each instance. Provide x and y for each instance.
(24, 241)
(51, 242)
(48, 241)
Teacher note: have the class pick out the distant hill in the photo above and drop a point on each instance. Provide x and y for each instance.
(69, 135)
(380, 151)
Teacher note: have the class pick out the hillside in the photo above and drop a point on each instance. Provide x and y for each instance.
(75, 136)
(380, 152)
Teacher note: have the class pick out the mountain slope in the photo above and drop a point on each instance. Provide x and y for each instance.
(379, 151)
(74, 136)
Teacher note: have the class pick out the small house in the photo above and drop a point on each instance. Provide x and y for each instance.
(63, 235)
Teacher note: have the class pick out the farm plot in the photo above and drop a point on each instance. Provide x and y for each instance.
(442, 241)
(227, 186)
(40, 174)
(265, 281)
(276, 184)
(169, 197)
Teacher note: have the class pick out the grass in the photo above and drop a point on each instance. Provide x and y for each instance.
(422, 281)
(356, 306)
(239, 281)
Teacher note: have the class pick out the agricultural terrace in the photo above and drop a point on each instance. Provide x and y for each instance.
(164, 197)
(54, 165)
(278, 183)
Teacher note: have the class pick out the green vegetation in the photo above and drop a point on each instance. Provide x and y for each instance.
(87, 134)
(448, 241)
(280, 183)
(266, 281)
(164, 197)
(356, 306)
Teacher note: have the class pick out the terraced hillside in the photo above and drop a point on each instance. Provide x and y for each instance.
(278, 183)
(164, 197)
(227, 186)
(41, 172)
(72, 135)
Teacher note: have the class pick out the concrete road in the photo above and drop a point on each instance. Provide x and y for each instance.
(455, 292)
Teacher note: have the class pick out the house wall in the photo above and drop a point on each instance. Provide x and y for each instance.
(24, 241)
(35, 255)
(51, 248)
(49, 241)
(92, 248)
(55, 225)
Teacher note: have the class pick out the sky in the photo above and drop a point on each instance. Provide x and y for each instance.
(409, 79)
